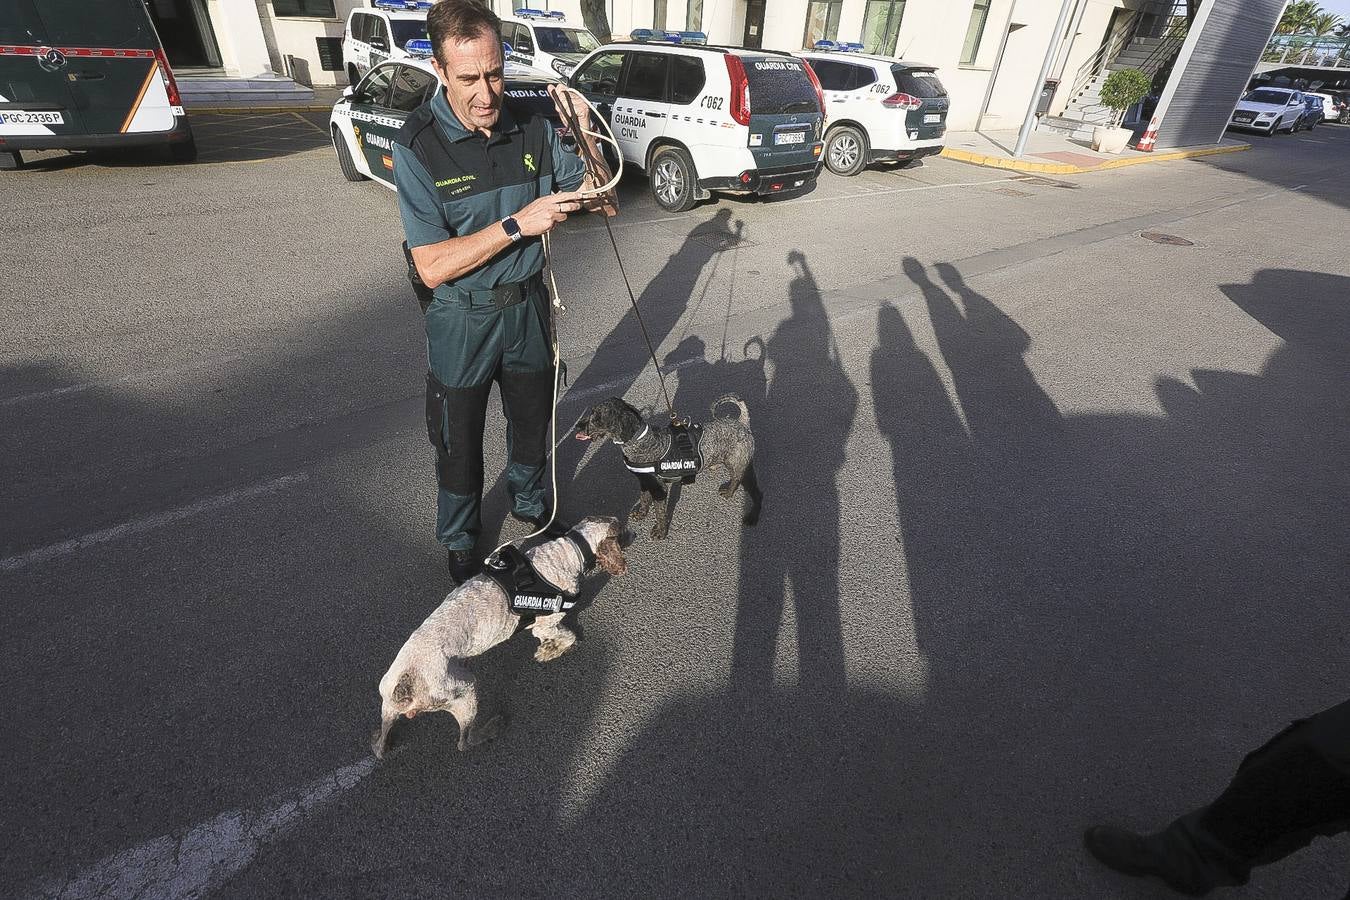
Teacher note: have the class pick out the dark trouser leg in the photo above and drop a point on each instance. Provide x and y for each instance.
(455, 419)
(527, 404)
(1288, 792)
(527, 399)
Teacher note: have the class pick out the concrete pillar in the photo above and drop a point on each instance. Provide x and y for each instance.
(243, 46)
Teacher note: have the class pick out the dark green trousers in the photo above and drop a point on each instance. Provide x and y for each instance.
(470, 344)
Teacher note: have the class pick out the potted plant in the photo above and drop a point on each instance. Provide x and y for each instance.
(1122, 89)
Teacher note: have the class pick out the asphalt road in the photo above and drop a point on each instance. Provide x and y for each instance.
(1055, 533)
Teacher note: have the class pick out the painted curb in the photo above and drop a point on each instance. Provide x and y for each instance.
(231, 110)
(1051, 168)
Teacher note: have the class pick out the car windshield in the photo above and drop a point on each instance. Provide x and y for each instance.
(565, 40)
(779, 86)
(1277, 97)
(408, 30)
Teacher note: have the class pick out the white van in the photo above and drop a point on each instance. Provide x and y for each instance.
(382, 33)
(544, 42)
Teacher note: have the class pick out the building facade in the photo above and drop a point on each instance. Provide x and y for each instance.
(298, 40)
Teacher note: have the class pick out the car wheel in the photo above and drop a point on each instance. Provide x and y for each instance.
(349, 170)
(184, 151)
(845, 150)
(673, 182)
(10, 160)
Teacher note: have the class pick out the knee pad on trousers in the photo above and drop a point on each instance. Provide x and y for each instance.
(455, 418)
(528, 398)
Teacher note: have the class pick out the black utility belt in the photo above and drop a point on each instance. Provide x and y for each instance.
(499, 297)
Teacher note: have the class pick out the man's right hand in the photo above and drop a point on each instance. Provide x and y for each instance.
(541, 215)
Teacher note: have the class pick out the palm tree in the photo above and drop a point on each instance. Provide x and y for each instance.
(1324, 23)
(1298, 17)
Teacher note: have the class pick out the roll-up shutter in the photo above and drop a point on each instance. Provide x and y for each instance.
(1223, 47)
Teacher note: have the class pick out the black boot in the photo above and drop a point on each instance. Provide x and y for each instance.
(1137, 854)
(464, 565)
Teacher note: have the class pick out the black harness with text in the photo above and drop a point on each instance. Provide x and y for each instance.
(530, 593)
(682, 462)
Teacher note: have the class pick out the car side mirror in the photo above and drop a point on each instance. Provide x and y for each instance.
(348, 91)
(380, 44)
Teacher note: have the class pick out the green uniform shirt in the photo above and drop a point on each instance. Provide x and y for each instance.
(490, 178)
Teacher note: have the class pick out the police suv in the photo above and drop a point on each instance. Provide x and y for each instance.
(544, 41)
(366, 120)
(382, 33)
(879, 108)
(699, 118)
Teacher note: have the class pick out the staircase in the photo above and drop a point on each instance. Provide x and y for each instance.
(1149, 40)
(218, 90)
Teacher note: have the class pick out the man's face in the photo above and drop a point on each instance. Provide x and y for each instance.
(472, 76)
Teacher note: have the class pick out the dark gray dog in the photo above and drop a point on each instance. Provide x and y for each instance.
(727, 444)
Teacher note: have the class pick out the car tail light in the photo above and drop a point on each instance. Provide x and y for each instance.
(746, 177)
(820, 94)
(902, 101)
(166, 73)
(740, 90)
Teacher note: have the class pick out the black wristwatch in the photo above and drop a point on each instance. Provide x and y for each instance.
(512, 229)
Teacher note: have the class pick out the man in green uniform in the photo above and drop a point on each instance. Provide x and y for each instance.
(476, 186)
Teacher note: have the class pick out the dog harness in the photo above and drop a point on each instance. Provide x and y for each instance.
(682, 462)
(530, 593)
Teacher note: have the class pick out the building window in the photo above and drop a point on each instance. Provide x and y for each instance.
(693, 20)
(822, 21)
(881, 25)
(313, 9)
(658, 15)
(975, 32)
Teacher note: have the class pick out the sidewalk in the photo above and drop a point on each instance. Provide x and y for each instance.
(1052, 153)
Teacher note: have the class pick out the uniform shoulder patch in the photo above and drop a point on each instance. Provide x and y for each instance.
(419, 120)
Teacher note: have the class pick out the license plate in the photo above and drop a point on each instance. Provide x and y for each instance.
(19, 117)
(790, 137)
(932, 118)
(1243, 118)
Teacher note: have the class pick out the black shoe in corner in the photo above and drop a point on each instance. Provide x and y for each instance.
(555, 530)
(464, 565)
(1132, 854)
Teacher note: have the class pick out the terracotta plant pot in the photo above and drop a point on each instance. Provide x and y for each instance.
(1110, 140)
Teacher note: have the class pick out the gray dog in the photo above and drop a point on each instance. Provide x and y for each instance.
(727, 444)
(429, 674)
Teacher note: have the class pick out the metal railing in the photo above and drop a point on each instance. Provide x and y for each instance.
(1308, 50)
(1095, 64)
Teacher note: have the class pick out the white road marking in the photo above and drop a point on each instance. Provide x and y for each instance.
(158, 520)
(904, 190)
(122, 379)
(208, 854)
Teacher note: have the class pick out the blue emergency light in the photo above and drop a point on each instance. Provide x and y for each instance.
(418, 47)
(838, 46)
(403, 5)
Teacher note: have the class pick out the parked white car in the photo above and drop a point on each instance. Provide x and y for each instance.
(544, 42)
(1269, 109)
(878, 107)
(699, 119)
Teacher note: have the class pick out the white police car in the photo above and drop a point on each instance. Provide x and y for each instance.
(544, 41)
(369, 115)
(382, 33)
(700, 118)
(878, 107)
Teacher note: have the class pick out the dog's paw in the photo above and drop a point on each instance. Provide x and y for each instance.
(483, 732)
(551, 649)
(727, 490)
(660, 531)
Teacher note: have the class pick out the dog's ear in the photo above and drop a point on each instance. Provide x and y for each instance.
(609, 556)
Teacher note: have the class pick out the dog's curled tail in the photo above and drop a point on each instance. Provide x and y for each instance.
(735, 401)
